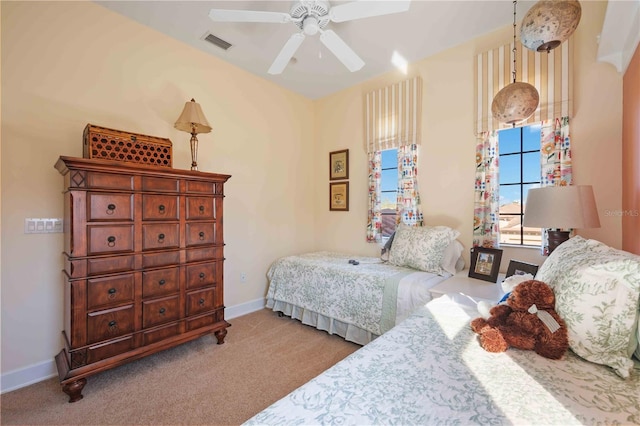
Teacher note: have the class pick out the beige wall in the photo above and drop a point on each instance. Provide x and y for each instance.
(447, 158)
(93, 66)
(68, 64)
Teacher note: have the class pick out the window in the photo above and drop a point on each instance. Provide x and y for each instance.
(519, 172)
(389, 191)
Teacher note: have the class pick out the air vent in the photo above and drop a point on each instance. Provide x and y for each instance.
(218, 41)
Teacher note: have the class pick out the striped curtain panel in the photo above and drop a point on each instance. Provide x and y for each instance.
(550, 73)
(393, 115)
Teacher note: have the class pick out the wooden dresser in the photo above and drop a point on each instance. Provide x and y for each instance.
(143, 257)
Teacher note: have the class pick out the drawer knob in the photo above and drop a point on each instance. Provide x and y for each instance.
(161, 238)
(162, 311)
(112, 292)
(201, 302)
(111, 208)
(112, 323)
(201, 235)
(201, 208)
(162, 282)
(161, 208)
(111, 241)
(201, 276)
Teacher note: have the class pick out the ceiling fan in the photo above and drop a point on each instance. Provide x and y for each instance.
(312, 16)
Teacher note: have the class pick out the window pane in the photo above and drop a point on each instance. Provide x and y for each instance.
(531, 136)
(510, 229)
(509, 169)
(388, 222)
(390, 158)
(510, 199)
(389, 200)
(532, 236)
(509, 141)
(531, 167)
(389, 180)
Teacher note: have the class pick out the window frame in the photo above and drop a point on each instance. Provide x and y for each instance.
(395, 213)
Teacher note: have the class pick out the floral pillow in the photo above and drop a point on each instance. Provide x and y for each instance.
(597, 292)
(421, 247)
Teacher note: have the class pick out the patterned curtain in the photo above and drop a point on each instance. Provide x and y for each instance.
(408, 209)
(374, 216)
(486, 230)
(555, 159)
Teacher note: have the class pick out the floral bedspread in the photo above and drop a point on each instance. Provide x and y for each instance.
(363, 295)
(430, 369)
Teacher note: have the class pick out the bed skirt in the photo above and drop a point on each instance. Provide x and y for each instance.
(347, 331)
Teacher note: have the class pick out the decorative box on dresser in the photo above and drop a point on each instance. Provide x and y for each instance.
(143, 253)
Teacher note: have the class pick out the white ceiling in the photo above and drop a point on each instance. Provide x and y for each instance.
(428, 27)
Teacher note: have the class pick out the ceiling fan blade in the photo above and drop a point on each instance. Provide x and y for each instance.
(343, 52)
(367, 8)
(286, 53)
(223, 15)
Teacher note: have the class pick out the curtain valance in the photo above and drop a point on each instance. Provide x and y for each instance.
(393, 115)
(550, 73)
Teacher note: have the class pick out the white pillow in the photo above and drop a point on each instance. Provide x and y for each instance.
(421, 247)
(452, 254)
(597, 291)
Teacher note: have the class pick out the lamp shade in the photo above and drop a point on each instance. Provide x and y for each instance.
(561, 207)
(549, 23)
(515, 103)
(192, 119)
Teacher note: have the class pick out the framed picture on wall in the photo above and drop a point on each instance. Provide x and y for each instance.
(339, 165)
(339, 196)
(485, 263)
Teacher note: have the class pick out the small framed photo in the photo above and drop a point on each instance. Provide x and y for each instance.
(520, 268)
(339, 165)
(485, 263)
(339, 196)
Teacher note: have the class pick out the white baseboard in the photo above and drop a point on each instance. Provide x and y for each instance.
(35, 373)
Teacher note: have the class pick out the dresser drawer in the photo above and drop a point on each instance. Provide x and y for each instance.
(200, 208)
(109, 206)
(160, 333)
(105, 181)
(200, 301)
(200, 233)
(109, 290)
(109, 239)
(109, 349)
(160, 282)
(160, 184)
(108, 324)
(157, 260)
(105, 265)
(159, 207)
(159, 311)
(160, 236)
(204, 253)
(201, 187)
(201, 275)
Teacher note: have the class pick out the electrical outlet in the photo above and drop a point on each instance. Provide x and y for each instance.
(243, 277)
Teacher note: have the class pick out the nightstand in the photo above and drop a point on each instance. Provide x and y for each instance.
(471, 287)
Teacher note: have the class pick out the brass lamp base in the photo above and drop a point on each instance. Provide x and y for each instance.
(194, 151)
(556, 238)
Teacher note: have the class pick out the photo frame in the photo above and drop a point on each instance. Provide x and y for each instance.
(339, 196)
(339, 165)
(517, 267)
(485, 263)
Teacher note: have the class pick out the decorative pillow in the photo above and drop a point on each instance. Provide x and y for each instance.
(597, 292)
(421, 247)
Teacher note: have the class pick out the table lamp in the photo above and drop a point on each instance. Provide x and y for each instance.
(192, 121)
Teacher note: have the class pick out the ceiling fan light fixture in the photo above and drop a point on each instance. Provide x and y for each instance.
(549, 23)
(310, 25)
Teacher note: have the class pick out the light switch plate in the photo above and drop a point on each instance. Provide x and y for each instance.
(34, 225)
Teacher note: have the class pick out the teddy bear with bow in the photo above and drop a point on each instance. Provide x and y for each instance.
(527, 321)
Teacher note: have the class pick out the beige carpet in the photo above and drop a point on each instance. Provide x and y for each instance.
(264, 357)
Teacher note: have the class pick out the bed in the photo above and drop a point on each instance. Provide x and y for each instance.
(431, 369)
(360, 298)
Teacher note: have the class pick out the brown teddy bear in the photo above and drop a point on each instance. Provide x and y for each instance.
(527, 321)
